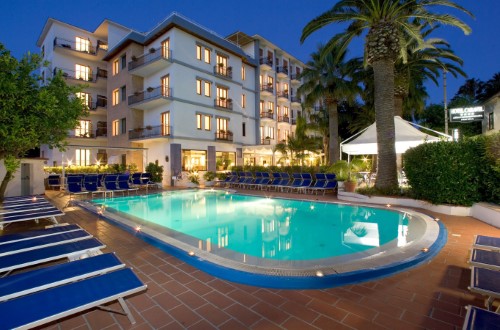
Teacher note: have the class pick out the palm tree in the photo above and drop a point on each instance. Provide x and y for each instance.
(388, 26)
(326, 81)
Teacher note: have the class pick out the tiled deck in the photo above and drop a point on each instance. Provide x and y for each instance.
(431, 296)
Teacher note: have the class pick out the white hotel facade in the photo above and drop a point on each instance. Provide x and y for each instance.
(178, 94)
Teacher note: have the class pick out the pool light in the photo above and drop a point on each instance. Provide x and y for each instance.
(388, 205)
(319, 273)
(425, 250)
(138, 229)
(191, 253)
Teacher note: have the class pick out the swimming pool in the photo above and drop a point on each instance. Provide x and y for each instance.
(278, 242)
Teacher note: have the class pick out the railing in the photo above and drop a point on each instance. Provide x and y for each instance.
(268, 114)
(282, 69)
(149, 131)
(294, 121)
(223, 71)
(102, 102)
(89, 49)
(154, 54)
(295, 99)
(150, 93)
(99, 132)
(283, 119)
(283, 94)
(265, 141)
(295, 76)
(267, 88)
(266, 60)
(224, 103)
(87, 77)
(224, 135)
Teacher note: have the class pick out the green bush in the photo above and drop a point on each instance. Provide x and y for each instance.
(460, 173)
(156, 171)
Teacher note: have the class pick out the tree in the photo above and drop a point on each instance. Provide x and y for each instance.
(32, 114)
(388, 26)
(326, 82)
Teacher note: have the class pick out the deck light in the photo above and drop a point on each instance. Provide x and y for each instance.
(436, 219)
(425, 250)
(34, 199)
(138, 228)
(388, 205)
(191, 253)
(319, 273)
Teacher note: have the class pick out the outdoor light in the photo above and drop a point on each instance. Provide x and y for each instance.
(191, 253)
(34, 199)
(319, 273)
(312, 207)
(436, 219)
(425, 250)
(138, 228)
(388, 205)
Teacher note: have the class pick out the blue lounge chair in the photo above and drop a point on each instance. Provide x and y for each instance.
(304, 184)
(266, 179)
(487, 283)
(22, 207)
(28, 235)
(329, 186)
(54, 181)
(486, 242)
(74, 188)
(28, 215)
(256, 181)
(123, 183)
(52, 304)
(111, 184)
(295, 182)
(275, 182)
(485, 259)
(478, 318)
(22, 199)
(91, 184)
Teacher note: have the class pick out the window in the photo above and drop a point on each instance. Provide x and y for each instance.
(207, 88)
(243, 73)
(198, 86)
(270, 81)
(285, 111)
(194, 160)
(102, 157)
(198, 121)
(43, 50)
(116, 127)
(116, 96)
(86, 99)
(207, 55)
(244, 129)
(123, 126)
(116, 65)
(285, 88)
(222, 67)
(261, 106)
(224, 160)
(165, 48)
(123, 60)
(243, 101)
(198, 52)
(222, 97)
(165, 86)
(84, 128)
(82, 72)
(491, 122)
(82, 45)
(203, 121)
(82, 157)
(207, 123)
(165, 123)
(222, 124)
(123, 92)
(270, 106)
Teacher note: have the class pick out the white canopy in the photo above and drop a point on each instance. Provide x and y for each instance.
(407, 136)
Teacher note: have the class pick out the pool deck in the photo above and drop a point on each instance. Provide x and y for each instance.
(431, 296)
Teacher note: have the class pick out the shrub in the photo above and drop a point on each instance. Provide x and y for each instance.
(156, 171)
(209, 176)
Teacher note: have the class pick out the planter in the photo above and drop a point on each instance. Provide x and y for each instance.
(350, 186)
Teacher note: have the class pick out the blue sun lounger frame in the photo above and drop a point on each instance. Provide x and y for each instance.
(487, 243)
(27, 215)
(487, 283)
(485, 259)
(478, 318)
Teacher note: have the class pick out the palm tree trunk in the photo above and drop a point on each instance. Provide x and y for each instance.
(383, 70)
(333, 123)
(3, 186)
(398, 105)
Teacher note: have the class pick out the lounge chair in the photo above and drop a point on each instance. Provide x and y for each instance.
(478, 318)
(256, 181)
(54, 181)
(275, 182)
(266, 179)
(22, 199)
(295, 182)
(123, 183)
(111, 184)
(329, 186)
(22, 207)
(55, 303)
(486, 242)
(28, 215)
(31, 234)
(91, 184)
(304, 184)
(74, 188)
(487, 283)
(485, 259)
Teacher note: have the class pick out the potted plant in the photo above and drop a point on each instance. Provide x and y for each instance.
(194, 178)
(350, 183)
(209, 177)
(150, 89)
(134, 58)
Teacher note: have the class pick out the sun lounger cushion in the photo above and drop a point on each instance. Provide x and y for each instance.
(43, 278)
(478, 318)
(55, 303)
(27, 235)
(30, 215)
(487, 242)
(485, 259)
(486, 282)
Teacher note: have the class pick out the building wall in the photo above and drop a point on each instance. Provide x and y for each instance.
(491, 113)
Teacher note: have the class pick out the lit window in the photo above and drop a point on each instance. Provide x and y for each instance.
(222, 124)
(198, 86)
(82, 45)
(198, 52)
(198, 121)
(207, 123)
(270, 106)
(194, 160)
(82, 157)
(165, 86)
(82, 72)
(243, 73)
(116, 96)
(207, 88)
(84, 128)
(165, 122)
(116, 127)
(116, 66)
(165, 48)
(207, 55)
(243, 100)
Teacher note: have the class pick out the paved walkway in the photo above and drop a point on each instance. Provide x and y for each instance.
(431, 296)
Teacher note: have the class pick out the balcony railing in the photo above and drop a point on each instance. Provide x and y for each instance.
(295, 76)
(282, 69)
(89, 134)
(293, 121)
(283, 94)
(283, 119)
(268, 114)
(82, 48)
(266, 61)
(267, 88)
(102, 102)
(265, 141)
(224, 71)
(83, 76)
(149, 94)
(295, 99)
(224, 103)
(149, 131)
(153, 55)
(224, 135)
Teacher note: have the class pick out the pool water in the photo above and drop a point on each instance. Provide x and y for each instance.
(269, 228)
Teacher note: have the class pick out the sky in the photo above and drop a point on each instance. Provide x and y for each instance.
(281, 22)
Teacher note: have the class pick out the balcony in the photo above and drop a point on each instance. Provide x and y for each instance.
(267, 90)
(100, 132)
(282, 71)
(293, 121)
(223, 71)
(295, 78)
(83, 51)
(267, 115)
(284, 119)
(295, 99)
(266, 63)
(154, 61)
(150, 98)
(283, 95)
(149, 132)
(223, 103)
(224, 136)
(266, 141)
(99, 78)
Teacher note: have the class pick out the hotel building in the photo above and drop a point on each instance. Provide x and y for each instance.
(179, 94)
